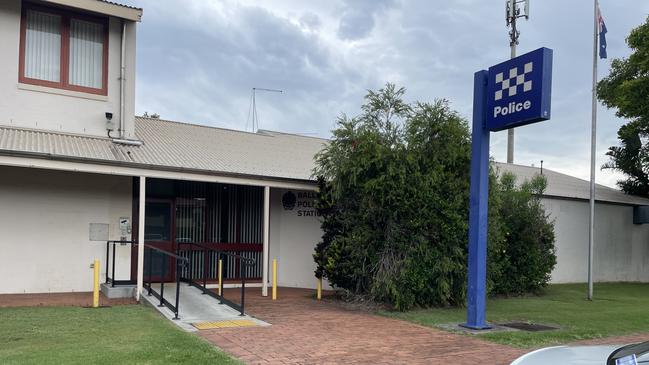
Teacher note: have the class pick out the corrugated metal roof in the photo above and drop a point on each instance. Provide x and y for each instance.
(267, 154)
(566, 186)
(177, 145)
(118, 4)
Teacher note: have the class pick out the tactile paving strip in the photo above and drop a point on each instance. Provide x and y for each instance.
(225, 324)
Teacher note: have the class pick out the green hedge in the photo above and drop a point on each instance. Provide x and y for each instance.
(393, 197)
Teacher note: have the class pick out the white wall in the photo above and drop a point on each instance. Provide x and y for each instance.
(44, 222)
(50, 109)
(293, 237)
(621, 248)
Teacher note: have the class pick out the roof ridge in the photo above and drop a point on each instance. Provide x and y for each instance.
(291, 134)
(260, 132)
(598, 185)
(198, 125)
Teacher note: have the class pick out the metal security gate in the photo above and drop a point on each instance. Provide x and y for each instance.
(223, 217)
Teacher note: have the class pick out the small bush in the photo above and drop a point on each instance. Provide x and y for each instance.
(529, 253)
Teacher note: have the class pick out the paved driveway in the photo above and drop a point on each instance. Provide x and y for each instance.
(305, 331)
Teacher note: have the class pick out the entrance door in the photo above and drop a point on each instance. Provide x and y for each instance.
(158, 231)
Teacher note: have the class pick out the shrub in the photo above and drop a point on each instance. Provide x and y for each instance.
(393, 198)
(529, 253)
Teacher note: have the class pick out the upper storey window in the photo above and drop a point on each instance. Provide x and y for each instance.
(64, 50)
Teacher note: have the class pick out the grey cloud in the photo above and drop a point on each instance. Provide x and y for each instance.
(311, 21)
(201, 68)
(198, 64)
(358, 18)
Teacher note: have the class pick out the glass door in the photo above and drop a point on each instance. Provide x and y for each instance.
(158, 224)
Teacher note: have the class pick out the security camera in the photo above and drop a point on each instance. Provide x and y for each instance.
(110, 126)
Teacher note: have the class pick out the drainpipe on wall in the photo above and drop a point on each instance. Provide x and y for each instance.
(122, 74)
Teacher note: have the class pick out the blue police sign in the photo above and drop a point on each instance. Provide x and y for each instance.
(519, 90)
(510, 94)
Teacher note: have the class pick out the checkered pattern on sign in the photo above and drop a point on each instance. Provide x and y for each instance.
(513, 81)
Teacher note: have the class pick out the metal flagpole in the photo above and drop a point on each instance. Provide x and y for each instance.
(593, 140)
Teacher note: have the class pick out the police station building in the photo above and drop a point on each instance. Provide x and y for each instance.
(84, 179)
(79, 169)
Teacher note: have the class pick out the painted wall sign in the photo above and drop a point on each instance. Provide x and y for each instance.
(303, 202)
(519, 90)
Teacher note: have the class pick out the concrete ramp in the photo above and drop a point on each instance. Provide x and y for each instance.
(199, 311)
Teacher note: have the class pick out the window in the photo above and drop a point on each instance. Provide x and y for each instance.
(62, 49)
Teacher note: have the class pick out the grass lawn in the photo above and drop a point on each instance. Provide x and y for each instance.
(132, 334)
(616, 310)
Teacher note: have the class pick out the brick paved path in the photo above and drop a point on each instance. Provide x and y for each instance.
(305, 331)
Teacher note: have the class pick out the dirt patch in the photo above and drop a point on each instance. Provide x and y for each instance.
(78, 299)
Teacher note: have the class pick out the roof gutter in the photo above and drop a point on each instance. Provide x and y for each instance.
(103, 7)
(128, 142)
(53, 157)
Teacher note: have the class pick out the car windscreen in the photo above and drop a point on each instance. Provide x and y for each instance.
(636, 350)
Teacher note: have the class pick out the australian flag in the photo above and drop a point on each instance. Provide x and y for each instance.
(602, 35)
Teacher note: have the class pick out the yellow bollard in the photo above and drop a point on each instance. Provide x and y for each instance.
(95, 289)
(274, 279)
(220, 275)
(319, 289)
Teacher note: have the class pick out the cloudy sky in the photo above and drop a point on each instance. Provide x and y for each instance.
(198, 61)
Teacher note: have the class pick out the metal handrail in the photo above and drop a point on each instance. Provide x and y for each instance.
(110, 279)
(180, 263)
(244, 261)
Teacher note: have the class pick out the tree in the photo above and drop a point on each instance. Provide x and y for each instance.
(152, 115)
(626, 89)
(394, 199)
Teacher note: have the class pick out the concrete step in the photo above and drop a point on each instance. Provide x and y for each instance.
(119, 291)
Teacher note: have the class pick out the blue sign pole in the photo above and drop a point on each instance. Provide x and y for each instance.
(511, 94)
(478, 202)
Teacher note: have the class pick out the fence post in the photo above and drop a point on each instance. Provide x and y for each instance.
(150, 268)
(274, 279)
(112, 275)
(319, 290)
(206, 264)
(162, 280)
(95, 289)
(221, 293)
(107, 256)
(243, 285)
(191, 266)
(220, 275)
(178, 268)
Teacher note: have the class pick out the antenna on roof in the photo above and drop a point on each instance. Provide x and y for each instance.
(253, 106)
